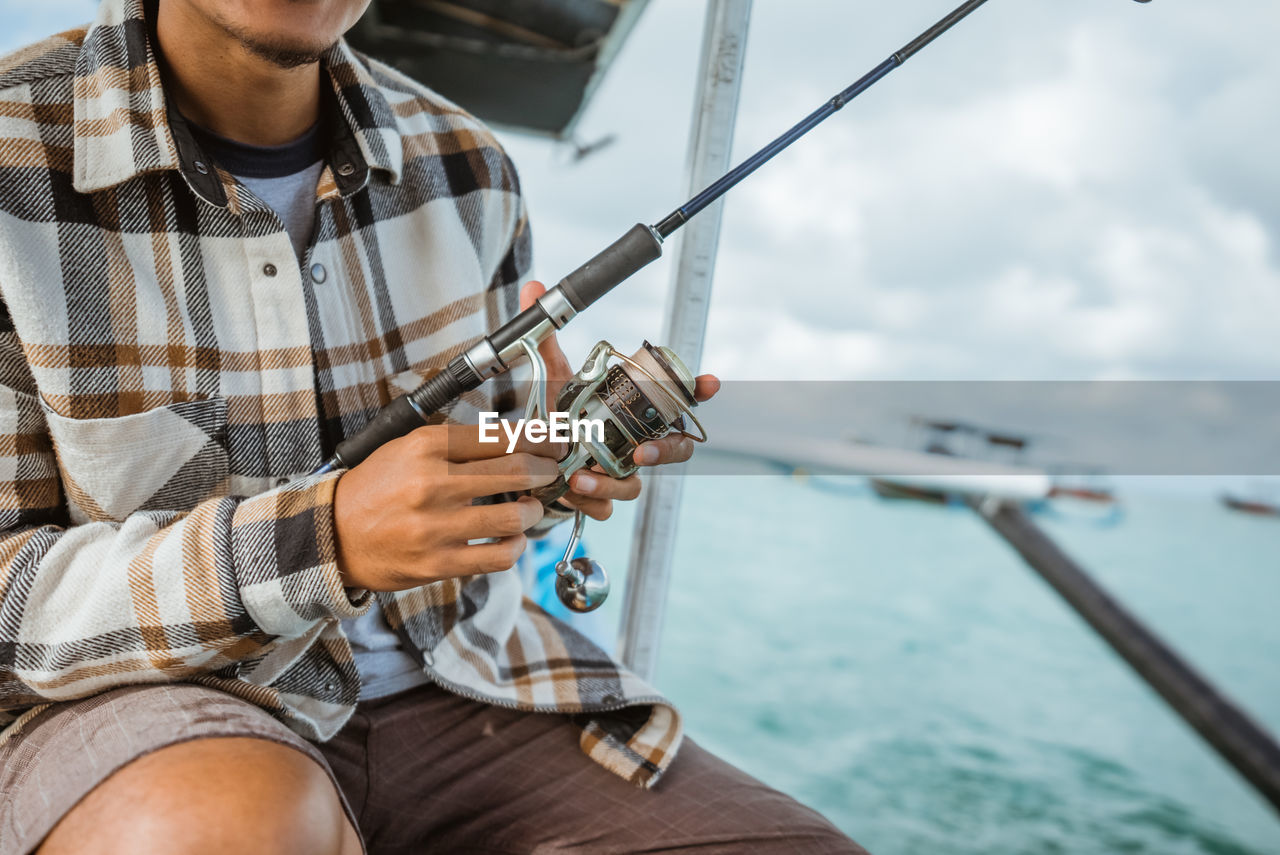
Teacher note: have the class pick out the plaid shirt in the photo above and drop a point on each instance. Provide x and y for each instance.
(169, 373)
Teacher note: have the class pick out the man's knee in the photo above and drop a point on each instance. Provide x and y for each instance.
(210, 796)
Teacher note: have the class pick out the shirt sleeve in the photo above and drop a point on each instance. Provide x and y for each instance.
(157, 596)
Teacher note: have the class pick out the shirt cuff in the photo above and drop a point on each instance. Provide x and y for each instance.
(284, 552)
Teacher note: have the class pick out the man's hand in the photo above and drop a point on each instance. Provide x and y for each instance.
(594, 492)
(404, 516)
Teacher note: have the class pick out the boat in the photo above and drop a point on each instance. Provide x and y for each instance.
(1081, 483)
(903, 471)
(1254, 507)
(887, 489)
(530, 66)
(1103, 495)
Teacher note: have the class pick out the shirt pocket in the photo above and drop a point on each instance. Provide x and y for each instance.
(167, 459)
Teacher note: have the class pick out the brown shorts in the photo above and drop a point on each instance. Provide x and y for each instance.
(64, 752)
(422, 771)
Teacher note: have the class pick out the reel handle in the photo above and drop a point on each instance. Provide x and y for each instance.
(581, 583)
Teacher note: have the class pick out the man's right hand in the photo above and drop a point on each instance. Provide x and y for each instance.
(404, 516)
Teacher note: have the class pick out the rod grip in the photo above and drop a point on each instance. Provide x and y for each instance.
(400, 417)
(638, 247)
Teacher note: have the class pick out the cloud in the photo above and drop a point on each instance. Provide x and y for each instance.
(1054, 190)
(1050, 191)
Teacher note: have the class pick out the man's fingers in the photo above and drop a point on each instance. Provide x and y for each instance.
(501, 475)
(597, 485)
(487, 557)
(501, 520)
(594, 493)
(669, 449)
(529, 294)
(597, 509)
(705, 386)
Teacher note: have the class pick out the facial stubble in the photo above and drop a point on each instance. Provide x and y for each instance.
(278, 52)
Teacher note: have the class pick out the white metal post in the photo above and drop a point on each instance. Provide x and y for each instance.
(710, 146)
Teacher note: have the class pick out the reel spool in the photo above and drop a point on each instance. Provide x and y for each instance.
(639, 398)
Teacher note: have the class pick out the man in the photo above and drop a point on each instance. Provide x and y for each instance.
(225, 242)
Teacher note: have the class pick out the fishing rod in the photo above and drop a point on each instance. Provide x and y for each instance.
(638, 398)
(498, 352)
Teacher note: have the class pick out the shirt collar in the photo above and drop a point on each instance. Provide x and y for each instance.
(123, 127)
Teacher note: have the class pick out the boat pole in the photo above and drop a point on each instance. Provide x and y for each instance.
(688, 301)
(1225, 726)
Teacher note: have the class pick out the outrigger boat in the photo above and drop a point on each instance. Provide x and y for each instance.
(1082, 484)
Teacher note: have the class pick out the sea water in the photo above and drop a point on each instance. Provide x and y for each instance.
(897, 667)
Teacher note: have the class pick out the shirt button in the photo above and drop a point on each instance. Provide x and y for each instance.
(280, 482)
(269, 269)
(345, 169)
(201, 168)
(330, 687)
(427, 658)
(318, 273)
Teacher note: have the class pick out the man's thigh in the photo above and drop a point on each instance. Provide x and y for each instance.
(76, 757)
(427, 771)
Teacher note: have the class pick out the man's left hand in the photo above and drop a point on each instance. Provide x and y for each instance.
(592, 491)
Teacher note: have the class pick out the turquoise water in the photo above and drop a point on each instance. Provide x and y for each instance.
(898, 668)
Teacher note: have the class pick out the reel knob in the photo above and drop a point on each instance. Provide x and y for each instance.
(581, 584)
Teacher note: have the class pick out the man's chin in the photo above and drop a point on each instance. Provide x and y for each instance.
(285, 54)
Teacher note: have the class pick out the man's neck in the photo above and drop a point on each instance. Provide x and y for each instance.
(219, 84)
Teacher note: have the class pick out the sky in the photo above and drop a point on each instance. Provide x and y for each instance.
(1082, 190)
(1052, 191)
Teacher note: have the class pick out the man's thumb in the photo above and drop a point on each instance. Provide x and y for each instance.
(530, 293)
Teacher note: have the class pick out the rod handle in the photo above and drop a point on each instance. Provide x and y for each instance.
(637, 248)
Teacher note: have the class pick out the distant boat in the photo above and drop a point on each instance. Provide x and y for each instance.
(1102, 495)
(913, 472)
(1081, 483)
(964, 442)
(1081, 494)
(1255, 507)
(889, 490)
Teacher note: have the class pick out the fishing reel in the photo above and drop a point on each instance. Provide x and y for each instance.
(620, 402)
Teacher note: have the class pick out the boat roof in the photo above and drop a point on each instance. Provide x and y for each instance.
(523, 65)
